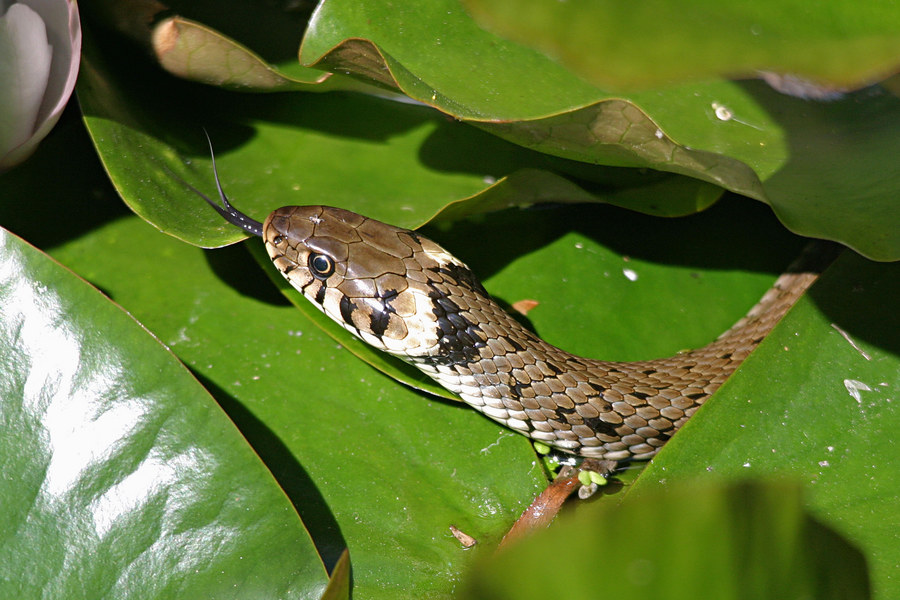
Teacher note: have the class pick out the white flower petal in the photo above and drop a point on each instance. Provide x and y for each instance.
(64, 33)
(25, 58)
(63, 30)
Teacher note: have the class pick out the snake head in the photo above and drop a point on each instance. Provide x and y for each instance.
(374, 279)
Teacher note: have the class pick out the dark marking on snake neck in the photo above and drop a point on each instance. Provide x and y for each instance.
(465, 338)
(347, 307)
(458, 322)
(456, 333)
(320, 294)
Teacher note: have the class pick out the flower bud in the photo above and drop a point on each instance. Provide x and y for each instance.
(40, 48)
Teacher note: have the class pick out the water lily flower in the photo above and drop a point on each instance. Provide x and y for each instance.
(40, 47)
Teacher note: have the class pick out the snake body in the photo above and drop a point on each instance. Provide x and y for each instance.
(404, 294)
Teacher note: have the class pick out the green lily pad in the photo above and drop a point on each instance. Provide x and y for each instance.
(823, 172)
(618, 46)
(663, 195)
(756, 540)
(122, 478)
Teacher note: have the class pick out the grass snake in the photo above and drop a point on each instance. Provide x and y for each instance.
(405, 295)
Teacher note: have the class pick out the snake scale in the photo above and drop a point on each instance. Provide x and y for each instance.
(405, 295)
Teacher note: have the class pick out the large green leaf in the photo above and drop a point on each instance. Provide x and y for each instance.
(122, 478)
(617, 45)
(748, 541)
(446, 61)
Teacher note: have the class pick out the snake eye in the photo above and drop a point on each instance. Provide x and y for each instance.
(321, 265)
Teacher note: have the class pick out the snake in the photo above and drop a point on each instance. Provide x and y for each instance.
(402, 293)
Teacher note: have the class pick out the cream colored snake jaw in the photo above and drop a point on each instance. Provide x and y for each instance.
(407, 296)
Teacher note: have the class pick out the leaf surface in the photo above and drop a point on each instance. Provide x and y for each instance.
(122, 478)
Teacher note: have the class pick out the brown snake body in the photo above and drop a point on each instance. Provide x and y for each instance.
(407, 296)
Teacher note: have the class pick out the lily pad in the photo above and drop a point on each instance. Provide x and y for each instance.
(617, 46)
(193, 51)
(756, 540)
(122, 477)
